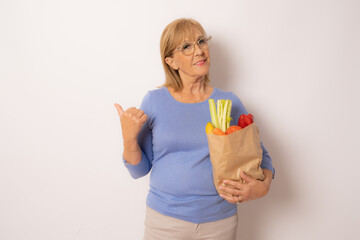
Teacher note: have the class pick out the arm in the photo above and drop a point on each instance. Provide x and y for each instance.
(234, 191)
(132, 120)
(132, 152)
(266, 162)
(141, 151)
(238, 109)
(137, 139)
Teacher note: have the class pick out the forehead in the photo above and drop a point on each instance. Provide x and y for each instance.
(190, 33)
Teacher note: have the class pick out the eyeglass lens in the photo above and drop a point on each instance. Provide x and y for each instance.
(188, 48)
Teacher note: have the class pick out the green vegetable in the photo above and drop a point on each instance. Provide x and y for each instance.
(228, 114)
(214, 117)
(220, 115)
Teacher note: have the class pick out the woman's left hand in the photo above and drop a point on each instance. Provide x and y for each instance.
(250, 190)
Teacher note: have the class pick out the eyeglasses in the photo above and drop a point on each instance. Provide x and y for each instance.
(188, 48)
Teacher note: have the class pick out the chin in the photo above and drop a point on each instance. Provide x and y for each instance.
(205, 71)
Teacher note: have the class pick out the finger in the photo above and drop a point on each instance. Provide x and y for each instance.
(139, 114)
(240, 199)
(246, 178)
(143, 118)
(233, 199)
(131, 113)
(235, 184)
(229, 190)
(132, 110)
(134, 113)
(119, 109)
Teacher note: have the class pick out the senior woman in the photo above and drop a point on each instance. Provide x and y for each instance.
(167, 136)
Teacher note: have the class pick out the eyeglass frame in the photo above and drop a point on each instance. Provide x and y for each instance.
(193, 45)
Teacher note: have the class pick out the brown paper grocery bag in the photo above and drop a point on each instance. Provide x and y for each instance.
(240, 150)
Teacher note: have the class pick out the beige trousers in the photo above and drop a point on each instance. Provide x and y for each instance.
(162, 227)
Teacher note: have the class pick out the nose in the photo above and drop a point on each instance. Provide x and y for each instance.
(197, 50)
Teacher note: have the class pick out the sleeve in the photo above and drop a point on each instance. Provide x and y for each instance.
(238, 109)
(267, 161)
(145, 142)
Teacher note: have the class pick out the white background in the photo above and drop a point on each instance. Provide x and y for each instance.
(63, 64)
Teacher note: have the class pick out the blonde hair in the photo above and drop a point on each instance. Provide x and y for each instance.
(171, 37)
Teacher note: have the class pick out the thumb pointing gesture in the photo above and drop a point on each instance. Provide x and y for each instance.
(119, 109)
(131, 121)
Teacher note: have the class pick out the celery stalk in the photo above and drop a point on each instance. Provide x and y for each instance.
(221, 111)
(224, 115)
(218, 107)
(214, 116)
(220, 114)
(228, 115)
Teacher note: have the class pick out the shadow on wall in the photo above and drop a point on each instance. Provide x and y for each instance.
(255, 215)
(222, 67)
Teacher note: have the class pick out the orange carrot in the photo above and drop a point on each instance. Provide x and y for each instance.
(232, 129)
(217, 131)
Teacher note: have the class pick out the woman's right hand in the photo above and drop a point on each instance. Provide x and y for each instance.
(132, 121)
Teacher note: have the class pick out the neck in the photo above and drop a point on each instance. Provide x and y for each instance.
(194, 86)
(193, 91)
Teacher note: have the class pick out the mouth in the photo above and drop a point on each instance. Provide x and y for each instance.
(201, 62)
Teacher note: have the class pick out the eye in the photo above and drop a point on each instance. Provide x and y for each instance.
(185, 46)
(202, 41)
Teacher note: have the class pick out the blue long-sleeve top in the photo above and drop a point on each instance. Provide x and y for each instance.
(174, 147)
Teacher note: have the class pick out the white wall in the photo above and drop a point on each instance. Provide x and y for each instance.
(64, 63)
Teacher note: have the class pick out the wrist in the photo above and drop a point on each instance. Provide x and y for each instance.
(131, 145)
(268, 175)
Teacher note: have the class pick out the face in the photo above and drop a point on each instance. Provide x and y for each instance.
(194, 66)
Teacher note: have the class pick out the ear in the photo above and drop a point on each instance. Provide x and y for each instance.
(170, 61)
